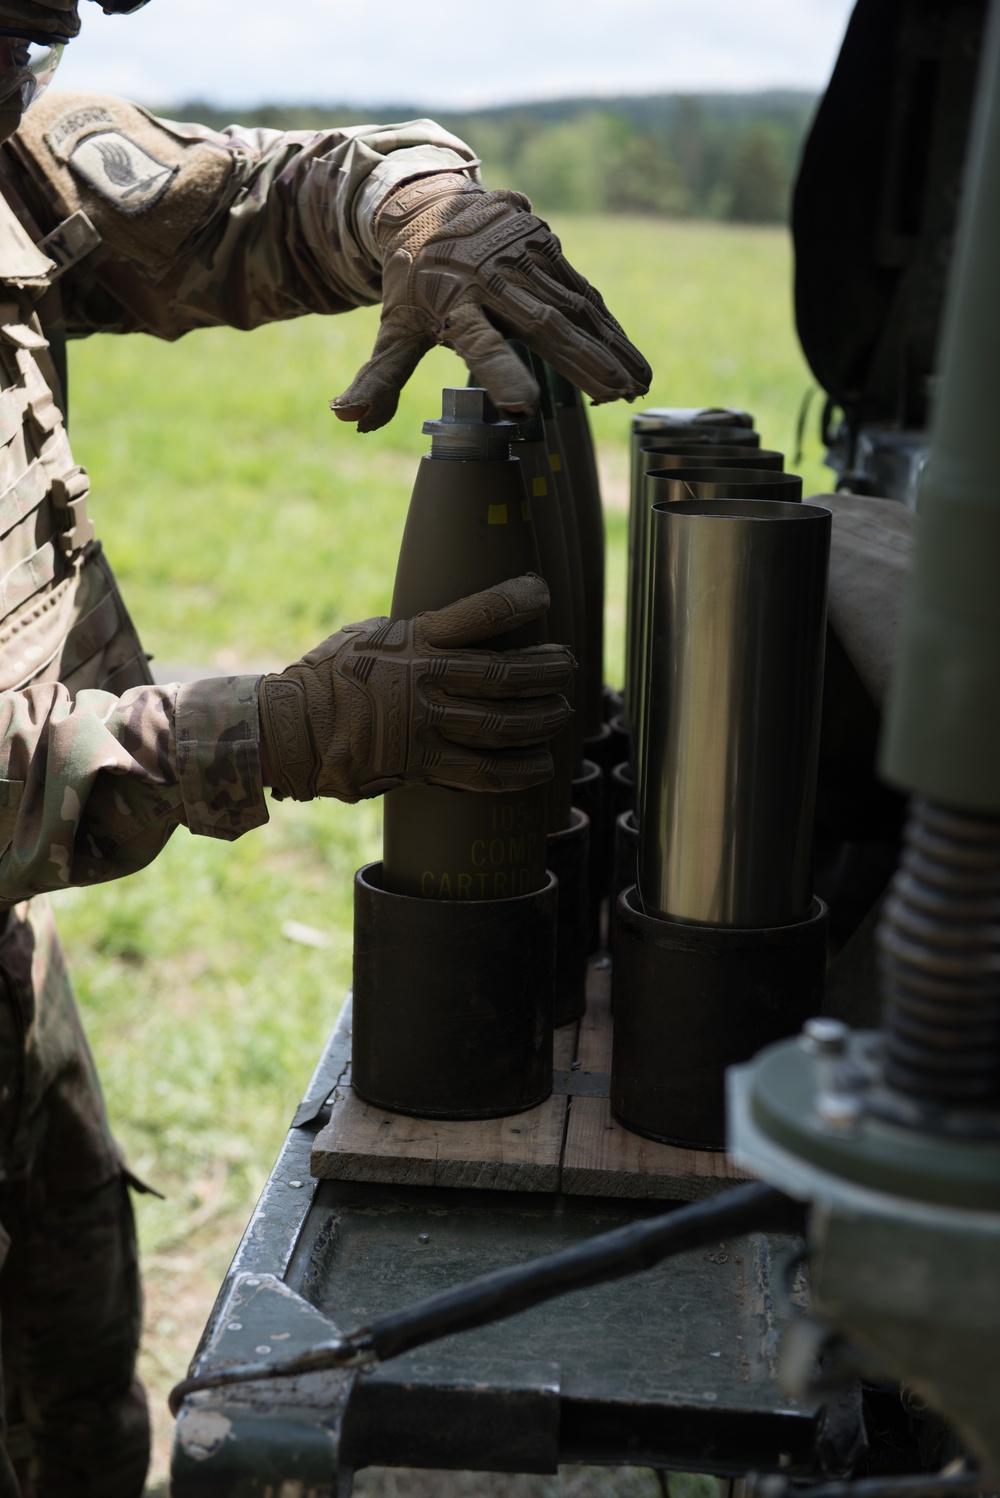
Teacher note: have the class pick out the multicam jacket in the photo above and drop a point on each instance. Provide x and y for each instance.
(112, 220)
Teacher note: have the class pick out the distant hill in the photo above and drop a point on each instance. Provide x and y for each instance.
(680, 155)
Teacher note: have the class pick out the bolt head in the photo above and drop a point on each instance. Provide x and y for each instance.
(840, 1112)
(824, 1037)
(467, 403)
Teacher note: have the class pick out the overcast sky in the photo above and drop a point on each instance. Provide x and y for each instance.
(448, 54)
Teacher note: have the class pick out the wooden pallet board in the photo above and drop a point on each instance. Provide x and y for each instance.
(570, 1143)
(603, 1158)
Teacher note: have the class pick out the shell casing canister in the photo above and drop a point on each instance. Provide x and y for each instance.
(490, 847)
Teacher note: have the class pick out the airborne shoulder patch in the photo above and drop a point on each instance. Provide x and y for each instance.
(125, 174)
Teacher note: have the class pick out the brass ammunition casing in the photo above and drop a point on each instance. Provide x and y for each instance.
(665, 431)
(468, 527)
(737, 627)
(679, 483)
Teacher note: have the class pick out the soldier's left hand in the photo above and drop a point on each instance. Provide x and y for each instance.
(469, 268)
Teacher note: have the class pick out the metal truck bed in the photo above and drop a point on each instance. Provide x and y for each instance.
(673, 1368)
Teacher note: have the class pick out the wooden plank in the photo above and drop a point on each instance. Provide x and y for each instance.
(602, 1158)
(570, 1143)
(564, 1046)
(518, 1153)
(594, 1049)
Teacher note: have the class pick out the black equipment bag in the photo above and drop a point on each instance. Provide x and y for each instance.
(875, 205)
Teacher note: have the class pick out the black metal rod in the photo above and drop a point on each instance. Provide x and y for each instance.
(754, 1207)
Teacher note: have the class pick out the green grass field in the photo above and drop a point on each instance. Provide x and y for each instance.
(245, 523)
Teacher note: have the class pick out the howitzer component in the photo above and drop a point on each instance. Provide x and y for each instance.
(895, 1138)
(721, 947)
(884, 461)
(737, 625)
(904, 1233)
(942, 735)
(469, 525)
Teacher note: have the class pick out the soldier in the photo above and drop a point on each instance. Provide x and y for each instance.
(113, 220)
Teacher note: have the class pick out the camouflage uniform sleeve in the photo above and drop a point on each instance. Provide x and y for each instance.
(92, 788)
(203, 228)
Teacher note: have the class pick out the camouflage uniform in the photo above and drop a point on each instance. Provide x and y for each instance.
(150, 226)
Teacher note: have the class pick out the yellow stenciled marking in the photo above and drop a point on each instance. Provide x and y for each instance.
(496, 515)
(525, 511)
(556, 461)
(539, 488)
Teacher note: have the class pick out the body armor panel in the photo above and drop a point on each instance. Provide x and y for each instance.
(61, 615)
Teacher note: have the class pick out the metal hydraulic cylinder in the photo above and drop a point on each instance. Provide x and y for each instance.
(942, 732)
(894, 1136)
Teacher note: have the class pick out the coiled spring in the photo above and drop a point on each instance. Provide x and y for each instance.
(940, 949)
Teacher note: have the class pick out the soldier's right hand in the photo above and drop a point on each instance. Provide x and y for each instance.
(381, 705)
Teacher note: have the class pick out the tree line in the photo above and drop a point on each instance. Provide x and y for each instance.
(715, 156)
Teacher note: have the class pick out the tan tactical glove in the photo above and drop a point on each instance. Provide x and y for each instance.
(380, 705)
(467, 268)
